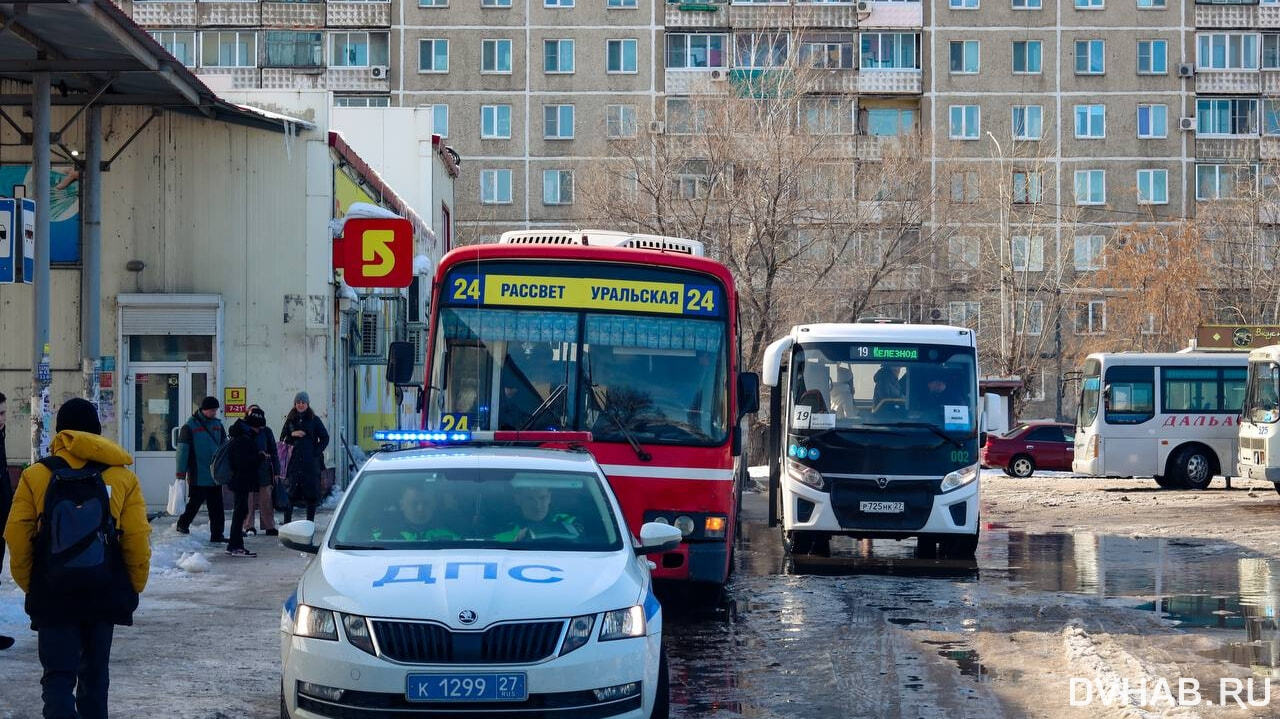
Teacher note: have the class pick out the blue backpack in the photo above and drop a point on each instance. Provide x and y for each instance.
(77, 546)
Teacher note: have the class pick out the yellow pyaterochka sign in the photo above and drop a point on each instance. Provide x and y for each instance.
(233, 402)
(677, 298)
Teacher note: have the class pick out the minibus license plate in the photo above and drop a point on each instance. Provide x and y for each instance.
(466, 687)
(882, 507)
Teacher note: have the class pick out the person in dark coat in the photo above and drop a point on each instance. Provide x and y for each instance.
(268, 474)
(306, 434)
(245, 458)
(6, 498)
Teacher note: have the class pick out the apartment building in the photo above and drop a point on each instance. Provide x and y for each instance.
(342, 46)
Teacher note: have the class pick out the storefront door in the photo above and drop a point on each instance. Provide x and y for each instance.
(158, 399)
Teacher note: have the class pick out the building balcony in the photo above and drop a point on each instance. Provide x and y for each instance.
(1226, 16)
(762, 16)
(1228, 82)
(843, 16)
(341, 79)
(228, 14)
(165, 14)
(696, 15)
(697, 82)
(358, 14)
(293, 14)
(833, 81)
(232, 78)
(1227, 148)
(894, 14)
(1270, 83)
(890, 82)
(1269, 16)
(1269, 148)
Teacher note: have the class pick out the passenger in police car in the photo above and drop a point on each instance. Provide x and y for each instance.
(536, 520)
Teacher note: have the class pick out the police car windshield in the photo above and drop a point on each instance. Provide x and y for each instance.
(477, 509)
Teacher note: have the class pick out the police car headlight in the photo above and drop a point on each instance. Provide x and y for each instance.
(623, 624)
(959, 478)
(315, 623)
(579, 633)
(357, 630)
(804, 475)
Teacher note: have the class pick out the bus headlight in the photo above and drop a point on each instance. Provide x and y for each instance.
(805, 475)
(959, 478)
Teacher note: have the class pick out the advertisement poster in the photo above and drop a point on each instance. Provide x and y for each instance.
(64, 205)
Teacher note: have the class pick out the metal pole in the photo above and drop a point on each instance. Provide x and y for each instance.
(41, 405)
(91, 272)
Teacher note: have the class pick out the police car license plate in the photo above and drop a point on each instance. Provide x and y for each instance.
(882, 507)
(466, 687)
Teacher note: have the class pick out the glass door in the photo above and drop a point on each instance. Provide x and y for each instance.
(159, 399)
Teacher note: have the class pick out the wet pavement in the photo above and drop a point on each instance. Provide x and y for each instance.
(873, 632)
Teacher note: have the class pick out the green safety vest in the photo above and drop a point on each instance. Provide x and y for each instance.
(568, 521)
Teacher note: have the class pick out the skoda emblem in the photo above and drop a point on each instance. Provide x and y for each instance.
(882, 482)
(466, 616)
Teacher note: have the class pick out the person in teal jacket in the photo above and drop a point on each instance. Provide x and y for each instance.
(198, 439)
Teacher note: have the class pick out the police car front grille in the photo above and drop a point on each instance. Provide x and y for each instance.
(424, 643)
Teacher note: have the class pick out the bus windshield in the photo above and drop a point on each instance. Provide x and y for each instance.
(1262, 401)
(622, 375)
(850, 385)
(1090, 394)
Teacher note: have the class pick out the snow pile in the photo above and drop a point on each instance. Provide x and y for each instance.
(1132, 688)
(170, 549)
(422, 265)
(194, 563)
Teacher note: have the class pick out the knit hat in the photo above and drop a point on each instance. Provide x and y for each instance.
(209, 403)
(79, 415)
(302, 397)
(256, 418)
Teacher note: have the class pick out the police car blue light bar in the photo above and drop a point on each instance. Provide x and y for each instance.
(457, 437)
(420, 435)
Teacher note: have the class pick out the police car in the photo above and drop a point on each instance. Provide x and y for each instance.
(475, 580)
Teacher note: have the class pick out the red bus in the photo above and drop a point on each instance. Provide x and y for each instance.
(633, 338)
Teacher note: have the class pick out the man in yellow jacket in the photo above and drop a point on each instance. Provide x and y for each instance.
(74, 632)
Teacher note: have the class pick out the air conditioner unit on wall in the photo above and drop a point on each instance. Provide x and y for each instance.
(864, 6)
(657, 127)
(378, 72)
(719, 74)
(1187, 123)
(1186, 69)
(936, 314)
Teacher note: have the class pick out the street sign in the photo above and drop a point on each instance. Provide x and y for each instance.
(8, 235)
(1236, 337)
(376, 252)
(233, 402)
(28, 226)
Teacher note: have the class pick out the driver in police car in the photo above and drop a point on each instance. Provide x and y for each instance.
(536, 520)
(417, 509)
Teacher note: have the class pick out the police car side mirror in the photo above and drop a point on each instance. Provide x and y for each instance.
(300, 535)
(748, 393)
(656, 537)
(400, 362)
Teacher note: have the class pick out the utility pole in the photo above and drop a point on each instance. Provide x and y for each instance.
(41, 375)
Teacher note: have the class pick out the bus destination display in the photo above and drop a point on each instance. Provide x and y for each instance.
(676, 298)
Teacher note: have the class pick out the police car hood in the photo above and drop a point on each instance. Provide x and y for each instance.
(497, 585)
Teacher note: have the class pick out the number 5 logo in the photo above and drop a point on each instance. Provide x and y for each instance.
(377, 252)
(376, 255)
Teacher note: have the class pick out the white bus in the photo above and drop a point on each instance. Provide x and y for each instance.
(1259, 441)
(873, 432)
(1171, 416)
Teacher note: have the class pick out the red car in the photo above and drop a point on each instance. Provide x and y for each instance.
(1031, 446)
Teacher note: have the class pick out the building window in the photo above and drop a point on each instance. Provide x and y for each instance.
(557, 3)
(1153, 121)
(1153, 187)
(621, 55)
(182, 45)
(964, 122)
(495, 187)
(1026, 57)
(1152, 4)
(829, 52)
(621, 4)
(1227, 51)
(440, 120)
(1028, 122)
(1091, 317)
(1091, 187)
(825, 116)
(1028, 317)
(761, 49)
(433, 55)
(557, 56)
(620, 121)
(1028, 187)
(1090, 57)
(1027, 253)
(294, 49)
(557, 187)
(557, 122)
(890, 51)
(1271, 117)
(964, 57)
(228, 49)
(1090, 4)
(691, 181)
(1027, 4)
(361, 101)
(964, 4)
(1227, 116)
(358, 49)
(963, 253)
(684, 118)
(689, 51)
(433, 3)
(1225, 182)
(964, 314)
(1088, 253)
(964, 188)
(495, 3)
(1153, 57)
(890, 121)
(1091, 122)
(495, 56)
(1270, 51)
(495, 122)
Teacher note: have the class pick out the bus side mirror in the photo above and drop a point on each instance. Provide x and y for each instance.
(1106, 396)
(748, 393)
(400, 363)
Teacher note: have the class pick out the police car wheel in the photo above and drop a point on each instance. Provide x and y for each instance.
(662, 697)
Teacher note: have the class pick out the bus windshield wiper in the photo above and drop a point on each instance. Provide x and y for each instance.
(925, 425)
(603, 403)
(546, 404)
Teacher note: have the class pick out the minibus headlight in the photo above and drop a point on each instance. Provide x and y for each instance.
(959, 478)
(804, 475)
